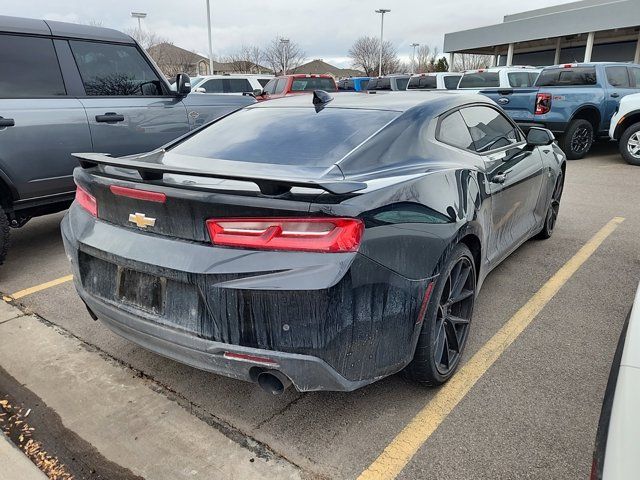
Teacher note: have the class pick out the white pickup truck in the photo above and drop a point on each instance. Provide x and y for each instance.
(625, 127)
(473, 81)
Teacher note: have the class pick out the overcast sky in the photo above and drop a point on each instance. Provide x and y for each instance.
(324, 29)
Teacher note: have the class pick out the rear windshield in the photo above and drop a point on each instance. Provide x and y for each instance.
(313, 83)
(480, 80)
(565, 77)
(290, 136)
(423, 83)
(379, 84)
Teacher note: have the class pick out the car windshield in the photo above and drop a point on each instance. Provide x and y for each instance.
(309, 84)
(294, 136)
(566, 77)
(480, 80)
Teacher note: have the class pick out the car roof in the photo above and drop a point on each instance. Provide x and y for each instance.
(400, 101)
(589, 64)
(60, 29)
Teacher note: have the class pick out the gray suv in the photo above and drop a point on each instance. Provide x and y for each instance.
(68, 88)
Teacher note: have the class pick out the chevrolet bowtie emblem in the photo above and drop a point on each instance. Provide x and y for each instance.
(141, 220)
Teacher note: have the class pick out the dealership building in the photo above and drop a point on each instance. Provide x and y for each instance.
(585, 31)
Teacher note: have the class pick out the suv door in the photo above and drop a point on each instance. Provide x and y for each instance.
(618, 86)
(128, 107)
(43, 125)
(514, 175)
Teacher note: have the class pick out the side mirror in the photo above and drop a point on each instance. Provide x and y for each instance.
(183, 84)
(200, 90)
(539, 137)
(258, 92)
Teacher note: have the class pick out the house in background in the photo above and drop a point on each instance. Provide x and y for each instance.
(173, 60)
(320, 67)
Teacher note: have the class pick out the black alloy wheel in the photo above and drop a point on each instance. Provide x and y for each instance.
(577, 139)
(445, 326)
(553, 210)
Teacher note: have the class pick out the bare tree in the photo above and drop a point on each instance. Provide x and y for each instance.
(426, 59)
(365, 55)
(172, 60)
(284, 56)
(247, 59)
(470, 61)
(145, 38)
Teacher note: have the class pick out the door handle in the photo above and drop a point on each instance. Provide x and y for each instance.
(615, 95)
(110, 117)
(6, 122)
(499, 178)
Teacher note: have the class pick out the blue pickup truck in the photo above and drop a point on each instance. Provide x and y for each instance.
(575, 101)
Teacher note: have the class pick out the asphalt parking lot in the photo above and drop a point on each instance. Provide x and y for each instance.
(533, 413)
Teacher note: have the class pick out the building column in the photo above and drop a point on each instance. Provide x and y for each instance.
(589, 47)
(636, 58)
(510, 55)
(556, 58)
(451, 58)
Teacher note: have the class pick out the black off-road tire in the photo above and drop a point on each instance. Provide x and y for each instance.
(577, 139)
(4, 235)
(631, 134)
(424, 367)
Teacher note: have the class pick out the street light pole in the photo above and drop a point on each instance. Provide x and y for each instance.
(413, 57)
(285, 53)
(139, 16)
(209, 31)
(381, 11)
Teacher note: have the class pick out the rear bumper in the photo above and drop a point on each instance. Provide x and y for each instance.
(328, 321)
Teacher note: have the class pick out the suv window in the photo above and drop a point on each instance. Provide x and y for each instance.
(489, 128)
(213, 86)
(480, 80)
(618, 77)
(565, 77)
(520, 79)
(280, 85)
(451, 82)
(237, 85)
(453, 131)
(114, 70)
(379, 84)
(29, 68)
(401, 83)
(428, 82)
(635, 75)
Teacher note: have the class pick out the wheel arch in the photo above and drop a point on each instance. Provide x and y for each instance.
(628, 120)
(8, 192)
(589, 113)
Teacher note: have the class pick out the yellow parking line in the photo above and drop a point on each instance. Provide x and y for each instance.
(402, 448)
(37, 288)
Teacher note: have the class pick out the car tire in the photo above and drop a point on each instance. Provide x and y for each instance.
(629, 137)
(446, 322)
(4, 235)
(577, 139)
(551, 216)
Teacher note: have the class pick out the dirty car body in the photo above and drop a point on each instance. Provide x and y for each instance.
(298, 238)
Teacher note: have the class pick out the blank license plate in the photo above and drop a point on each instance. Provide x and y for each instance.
(141, 290)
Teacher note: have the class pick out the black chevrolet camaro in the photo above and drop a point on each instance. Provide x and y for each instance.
(319, 241)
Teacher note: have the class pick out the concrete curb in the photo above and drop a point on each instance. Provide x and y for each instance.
(15, 464)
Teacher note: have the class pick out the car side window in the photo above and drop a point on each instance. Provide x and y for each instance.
(29, 68)
(114, 70)
(520, 79)
(533, 76)
(280, 86)
(213, 86)
(239, 85)
(453, 131)
(618, 77)
(489, 129)
(635, 76)
(451, 82)
(401, 83)
(270, 87)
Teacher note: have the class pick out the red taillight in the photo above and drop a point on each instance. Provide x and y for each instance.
(138, 194)
(299, 234)
(543, 103)
(86, 201)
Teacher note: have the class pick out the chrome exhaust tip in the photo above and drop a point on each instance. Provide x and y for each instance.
(273, 382)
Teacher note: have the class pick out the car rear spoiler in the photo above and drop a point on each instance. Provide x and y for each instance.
(151, 170)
